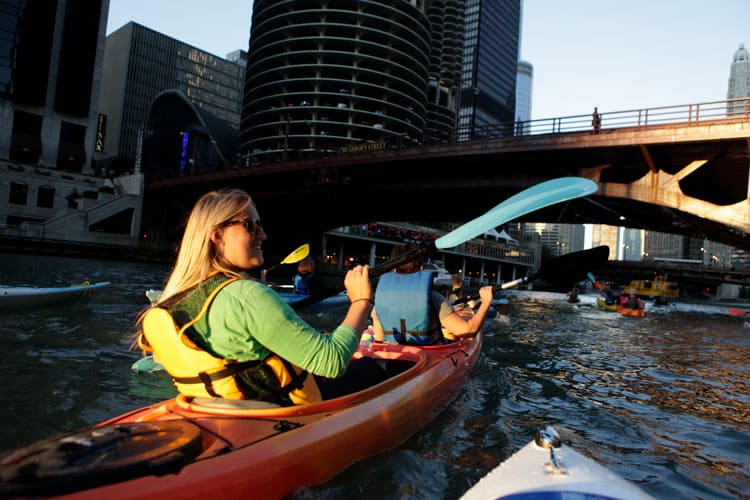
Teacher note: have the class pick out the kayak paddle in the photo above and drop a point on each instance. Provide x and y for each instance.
(529, 200)
(297, 255)
(598, 285)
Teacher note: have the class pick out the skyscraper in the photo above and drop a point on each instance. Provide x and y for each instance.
(323, 77)
(488, 78)
(351, 76)
(524, 80)
(739, 81)
(50, 60)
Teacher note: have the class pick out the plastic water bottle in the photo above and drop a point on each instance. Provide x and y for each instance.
(365, 341)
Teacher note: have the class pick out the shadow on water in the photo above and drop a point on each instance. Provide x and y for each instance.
(661, 400)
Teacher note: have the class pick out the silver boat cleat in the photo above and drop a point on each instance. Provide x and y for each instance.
(548, 438)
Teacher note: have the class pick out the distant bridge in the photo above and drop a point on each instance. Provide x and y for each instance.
(676, 169)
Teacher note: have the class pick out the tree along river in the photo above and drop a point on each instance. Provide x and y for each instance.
(663, 400)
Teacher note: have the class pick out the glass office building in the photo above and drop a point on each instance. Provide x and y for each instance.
(488, 79)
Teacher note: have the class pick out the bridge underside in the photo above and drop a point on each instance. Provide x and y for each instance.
(690, 181)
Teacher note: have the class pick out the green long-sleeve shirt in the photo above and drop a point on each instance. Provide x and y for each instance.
(247, 321)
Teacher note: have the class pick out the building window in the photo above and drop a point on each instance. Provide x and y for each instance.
(45, 197)
(18, 193)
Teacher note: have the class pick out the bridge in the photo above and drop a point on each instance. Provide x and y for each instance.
(675, 169)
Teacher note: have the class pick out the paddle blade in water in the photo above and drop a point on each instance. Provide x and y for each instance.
(529, 200)
(297, 255)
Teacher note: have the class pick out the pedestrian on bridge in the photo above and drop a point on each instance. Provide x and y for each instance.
(596, 121)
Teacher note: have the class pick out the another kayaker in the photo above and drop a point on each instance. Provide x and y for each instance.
(457, 288)
(408, 311)
(304, 275)
(234, 337)
(632, 301)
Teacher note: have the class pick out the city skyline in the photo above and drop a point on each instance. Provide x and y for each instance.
(612, 55)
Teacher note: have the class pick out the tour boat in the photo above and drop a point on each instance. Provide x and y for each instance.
(221, 448)
(658, 289)
(15, 297)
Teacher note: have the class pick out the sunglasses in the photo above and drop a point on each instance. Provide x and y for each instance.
(253, 226)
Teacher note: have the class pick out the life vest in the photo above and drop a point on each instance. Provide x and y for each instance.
(402, 303)
(633, 303)
(301, 284)
(197, 373)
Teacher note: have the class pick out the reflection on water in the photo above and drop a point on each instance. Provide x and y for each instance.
(661, 400)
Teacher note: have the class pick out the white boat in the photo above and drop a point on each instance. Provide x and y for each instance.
(12, 297)
(545, 469)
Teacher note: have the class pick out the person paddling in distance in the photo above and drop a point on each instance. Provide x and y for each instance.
(408, 311)
(304, 276)
(219, 333)
(457, 288)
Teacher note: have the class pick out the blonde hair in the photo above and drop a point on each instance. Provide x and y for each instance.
(197, 257)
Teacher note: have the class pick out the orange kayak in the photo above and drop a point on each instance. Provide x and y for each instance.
(627, 311)
(218, 448)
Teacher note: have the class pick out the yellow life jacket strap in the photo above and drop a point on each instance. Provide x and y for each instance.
(207, 379)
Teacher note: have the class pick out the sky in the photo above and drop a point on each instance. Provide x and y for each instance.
(613, 54)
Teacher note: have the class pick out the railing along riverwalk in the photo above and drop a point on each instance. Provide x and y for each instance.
(690, 114)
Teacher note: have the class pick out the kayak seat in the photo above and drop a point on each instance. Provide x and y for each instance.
(234, 404)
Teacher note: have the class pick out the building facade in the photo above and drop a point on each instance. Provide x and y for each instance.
(50, 63)
(447, 29)
(488, 78)
(558, 239)
(139, 64)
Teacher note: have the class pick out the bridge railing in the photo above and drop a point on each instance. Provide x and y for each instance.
(641, 118)
(692, 114)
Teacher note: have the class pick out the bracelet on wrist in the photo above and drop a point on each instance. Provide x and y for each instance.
(369, 300)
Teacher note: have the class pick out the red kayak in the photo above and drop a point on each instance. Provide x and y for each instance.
(217, 448)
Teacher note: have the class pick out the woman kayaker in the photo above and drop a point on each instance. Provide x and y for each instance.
(408, 311)
(219, 333)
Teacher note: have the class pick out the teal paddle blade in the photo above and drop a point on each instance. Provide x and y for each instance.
(536, 197)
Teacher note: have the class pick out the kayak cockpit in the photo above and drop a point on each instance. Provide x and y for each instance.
(398, 361)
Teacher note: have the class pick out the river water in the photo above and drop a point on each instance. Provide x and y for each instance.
(663, 400)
